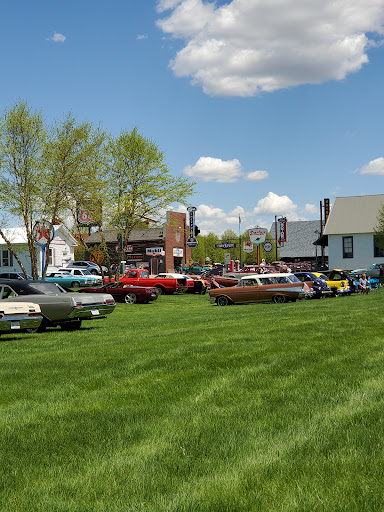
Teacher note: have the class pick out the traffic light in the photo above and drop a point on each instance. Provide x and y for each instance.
(197, 231)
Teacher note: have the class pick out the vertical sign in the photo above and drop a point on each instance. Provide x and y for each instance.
(326, 210)
(282, 229)
(191, 240)
(191, 210)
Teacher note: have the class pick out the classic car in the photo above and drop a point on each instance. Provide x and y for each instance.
(319, 287)
(375, 270)
(128, 293)
(67, 279)
(194, 283)
(140, 277)
(276, 287)
(58, 307)
(220, 281)
(93, 268)
(79, 272)
(337, 280)
(16, 316)
(14, 275)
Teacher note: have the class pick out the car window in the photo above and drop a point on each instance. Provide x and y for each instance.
(86, 273)
(77, 272)
(249, 282)
(7, 292)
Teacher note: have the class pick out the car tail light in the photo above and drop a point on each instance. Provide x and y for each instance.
(34, 314)
(1, 315)
(79, 305)
(110, 302)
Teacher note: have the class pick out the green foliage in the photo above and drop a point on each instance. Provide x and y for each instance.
(47, 172)
(379, 230)
(139, 182)
(206, 248)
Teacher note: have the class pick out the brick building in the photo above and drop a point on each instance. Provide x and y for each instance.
(158, 249)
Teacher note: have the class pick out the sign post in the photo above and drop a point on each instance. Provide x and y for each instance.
(257, 236)
(43, 233)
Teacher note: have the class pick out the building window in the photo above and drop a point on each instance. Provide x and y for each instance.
(6, 258)
(347, 246)
(378, 252)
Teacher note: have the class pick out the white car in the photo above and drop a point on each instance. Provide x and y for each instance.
(94, 268)
(16, 316)
(92, 278)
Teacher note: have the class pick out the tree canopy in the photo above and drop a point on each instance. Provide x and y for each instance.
(46, 172)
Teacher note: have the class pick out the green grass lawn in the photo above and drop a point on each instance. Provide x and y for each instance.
(183, 406)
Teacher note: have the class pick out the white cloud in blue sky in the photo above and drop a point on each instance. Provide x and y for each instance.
(246, 47)
(257, 176)
(374, 167)
(215, 169)
(57, 38)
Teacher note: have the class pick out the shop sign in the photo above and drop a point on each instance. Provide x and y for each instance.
(154, 251)
(178, 252)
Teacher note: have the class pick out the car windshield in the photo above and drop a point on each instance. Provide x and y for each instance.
(47, 288)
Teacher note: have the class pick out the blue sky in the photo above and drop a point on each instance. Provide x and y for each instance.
(271, 105)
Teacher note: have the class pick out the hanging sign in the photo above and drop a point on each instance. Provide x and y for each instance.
(191, 211)
(282, 229)
(248, 247)
(257, 235)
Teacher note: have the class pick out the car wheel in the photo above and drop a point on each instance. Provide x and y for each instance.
(161, 290)
(94, 272)
(279, 299)
(71, 326)
(75, 284)
(130, 298)
(222, 300)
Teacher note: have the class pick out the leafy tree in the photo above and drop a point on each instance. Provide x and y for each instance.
(44, 172)
(139, 182)
(379, 229)
(22, 136)
(74, 159)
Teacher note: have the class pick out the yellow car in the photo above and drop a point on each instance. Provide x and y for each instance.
(337, 280)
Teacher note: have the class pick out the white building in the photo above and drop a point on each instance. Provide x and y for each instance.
(350, 232)
(61, 250)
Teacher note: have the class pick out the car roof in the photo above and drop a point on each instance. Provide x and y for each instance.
(272, 274)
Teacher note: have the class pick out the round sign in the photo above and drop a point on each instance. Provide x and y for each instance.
(43, 232)
(97, 256)
(267, 246)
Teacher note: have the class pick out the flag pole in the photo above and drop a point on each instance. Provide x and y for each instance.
(240, 243)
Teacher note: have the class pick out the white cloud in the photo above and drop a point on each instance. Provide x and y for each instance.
(164, 5)
(257, 176)
(311, 209)
(273, 204)
(141, 36)
(209, 169)
(57, 38)
(245, 47)
(374, 167)
(210, 212)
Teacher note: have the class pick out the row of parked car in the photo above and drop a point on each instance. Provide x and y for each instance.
(283, 287)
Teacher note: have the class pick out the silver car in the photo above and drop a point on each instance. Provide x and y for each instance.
(58, 307)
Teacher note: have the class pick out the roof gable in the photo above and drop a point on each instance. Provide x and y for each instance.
(356, 214)
(301, 235)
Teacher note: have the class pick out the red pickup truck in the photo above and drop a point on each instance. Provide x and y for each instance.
(140, 277)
